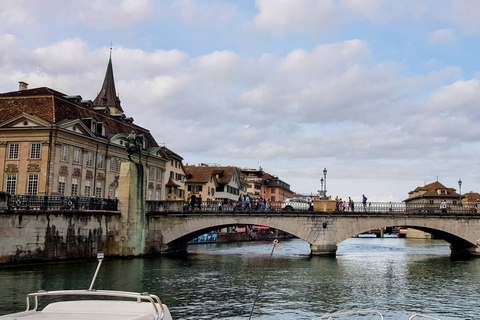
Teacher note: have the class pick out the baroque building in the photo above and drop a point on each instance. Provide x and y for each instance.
(57, 144)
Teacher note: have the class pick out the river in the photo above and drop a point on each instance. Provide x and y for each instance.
(398, 277)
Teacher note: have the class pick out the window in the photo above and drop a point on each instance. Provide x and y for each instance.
(172, 175)
(61, 185)
(64, 154)
(119, 165)
(13, 151)
(159, 174)
(273, 199)
(110, 191)
(151, 173)
(100, 161)
(35, 151)
(32, 184)
(98, 190)
(74, 186)
(77, 156)
(157, 194)
(195, 189)
(11, 183)
(88, 188)
(90, 159)
(149, 194)
(274, 190)
(113, 164)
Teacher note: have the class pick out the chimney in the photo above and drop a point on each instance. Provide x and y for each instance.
(22, 86)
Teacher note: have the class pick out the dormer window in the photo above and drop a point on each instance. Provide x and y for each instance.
(101, 129)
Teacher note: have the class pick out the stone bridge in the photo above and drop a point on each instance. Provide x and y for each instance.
(170, 232)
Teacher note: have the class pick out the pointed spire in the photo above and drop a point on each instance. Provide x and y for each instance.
(108, 95)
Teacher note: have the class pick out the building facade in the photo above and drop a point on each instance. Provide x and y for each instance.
(57, 144)
(432, 195)
(175, 176)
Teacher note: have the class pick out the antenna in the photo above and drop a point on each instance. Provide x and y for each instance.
(260, 285)
(100, 257)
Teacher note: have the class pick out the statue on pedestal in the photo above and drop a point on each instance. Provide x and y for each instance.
(134, 145)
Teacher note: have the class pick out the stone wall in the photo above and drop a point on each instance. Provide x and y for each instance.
(44, 236)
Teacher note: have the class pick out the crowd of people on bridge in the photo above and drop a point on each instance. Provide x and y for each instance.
(244, 203)
(350, 204)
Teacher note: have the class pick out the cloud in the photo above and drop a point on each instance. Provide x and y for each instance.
(464, 14)
(204, 12)
(335, 104)
(443, 36)
(280, 16)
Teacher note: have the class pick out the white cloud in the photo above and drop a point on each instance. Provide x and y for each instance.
(464, 14)
(279, 16)
(109, 14)
(282, 16)
(13, 15)
(443, 36)
(332, 105)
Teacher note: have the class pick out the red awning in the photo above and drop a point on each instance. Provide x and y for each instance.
(260, 227)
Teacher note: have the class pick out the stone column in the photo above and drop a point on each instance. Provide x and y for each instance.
(131, 204)
(323, 249)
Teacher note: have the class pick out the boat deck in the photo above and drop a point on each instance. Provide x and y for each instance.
(92, 309)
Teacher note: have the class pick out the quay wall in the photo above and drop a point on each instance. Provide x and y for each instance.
(32, 236)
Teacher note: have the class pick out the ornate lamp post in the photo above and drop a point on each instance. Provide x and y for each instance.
(325, 176)
(460, 187)
(322, 195)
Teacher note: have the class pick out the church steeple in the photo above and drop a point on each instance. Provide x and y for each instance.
(108, 95)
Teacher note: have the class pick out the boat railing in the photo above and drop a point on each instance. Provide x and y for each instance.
(145, 296)
(422, 316)
(350, 313)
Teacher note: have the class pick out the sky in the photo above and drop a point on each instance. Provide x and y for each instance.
(383, 93)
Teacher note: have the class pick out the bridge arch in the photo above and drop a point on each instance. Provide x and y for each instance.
(322, 231)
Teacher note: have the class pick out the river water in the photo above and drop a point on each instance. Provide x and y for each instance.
(398, 277)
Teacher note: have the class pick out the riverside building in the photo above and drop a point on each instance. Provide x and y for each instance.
(57, 144)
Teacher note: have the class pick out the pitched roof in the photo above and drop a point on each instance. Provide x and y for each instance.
(202, 174)
(56, 107)
(170, 153)
(471, 196)
(107, 97)
(223, 174)
(431, 191)
(170, 183)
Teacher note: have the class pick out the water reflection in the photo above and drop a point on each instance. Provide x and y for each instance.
(219, 281)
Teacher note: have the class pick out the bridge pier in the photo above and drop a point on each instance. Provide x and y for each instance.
(174, 247)
(473, 251)
(324, 249)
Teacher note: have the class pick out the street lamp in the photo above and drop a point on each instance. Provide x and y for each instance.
(325, 176)
(321, 189)
(460, 187)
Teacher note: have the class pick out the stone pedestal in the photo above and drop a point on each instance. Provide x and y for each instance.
(324, 205)
(3, 201)
(131, 203)
(324, 249)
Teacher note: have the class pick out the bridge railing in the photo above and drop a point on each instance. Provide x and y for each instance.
(42, 202)
(357, 208)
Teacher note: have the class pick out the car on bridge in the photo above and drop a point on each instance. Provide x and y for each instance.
(297, 204)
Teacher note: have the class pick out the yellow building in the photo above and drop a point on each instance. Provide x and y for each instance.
(57, 144)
